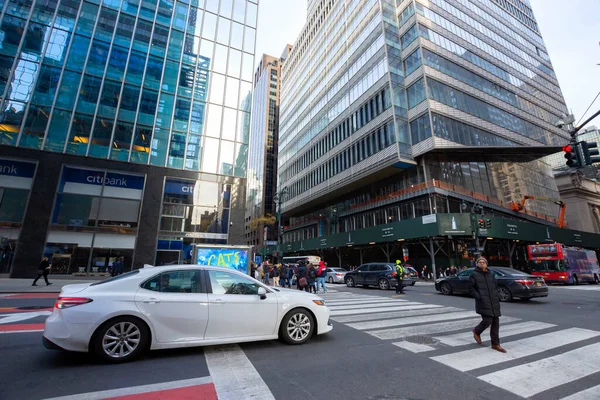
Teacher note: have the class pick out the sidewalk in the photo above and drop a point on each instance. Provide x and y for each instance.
(58, 281)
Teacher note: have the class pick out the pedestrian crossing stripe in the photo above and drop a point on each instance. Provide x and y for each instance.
(577, 287)
(452, 343)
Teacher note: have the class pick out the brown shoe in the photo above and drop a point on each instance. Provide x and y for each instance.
(476, 337)
(499, 348)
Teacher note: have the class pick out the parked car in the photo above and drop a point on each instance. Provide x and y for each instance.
(511, 284)
(336, 275)
(179, 306)
(382, 275)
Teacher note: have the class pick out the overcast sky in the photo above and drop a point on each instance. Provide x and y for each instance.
(571, 30)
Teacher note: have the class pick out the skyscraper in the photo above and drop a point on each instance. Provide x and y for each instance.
(393, 110)
(262, 161)
(124, 128)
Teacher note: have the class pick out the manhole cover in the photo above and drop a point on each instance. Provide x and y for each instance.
(420, 340)
(33, 308)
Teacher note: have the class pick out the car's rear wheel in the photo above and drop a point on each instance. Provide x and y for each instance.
(121, 339)
(575, 280)
(596, 280)
(384, 284)
(413, 283)
(350, 281)
(445, 288)
(330, 280)
(504, 294)
(297, 326)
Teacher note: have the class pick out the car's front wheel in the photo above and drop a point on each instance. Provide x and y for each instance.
(297, 326)
(120, 339)
(350, 281)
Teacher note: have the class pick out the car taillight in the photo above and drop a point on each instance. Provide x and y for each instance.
(66, 302)
(525, 281)
(393, 273)
(339, 274)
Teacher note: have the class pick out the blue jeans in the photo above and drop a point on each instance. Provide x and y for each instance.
(321, 282)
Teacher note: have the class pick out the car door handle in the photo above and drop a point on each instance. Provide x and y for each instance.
(152, 301)
(218, 301)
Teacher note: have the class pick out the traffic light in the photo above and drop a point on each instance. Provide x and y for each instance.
(481, 224)
(572, 155)
(488, 223)
(589, 150)
(282, 229)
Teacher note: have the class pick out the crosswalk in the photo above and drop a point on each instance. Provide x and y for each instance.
(540, 358)
(595, 288)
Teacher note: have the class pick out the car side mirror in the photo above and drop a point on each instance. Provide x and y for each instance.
(262, 293)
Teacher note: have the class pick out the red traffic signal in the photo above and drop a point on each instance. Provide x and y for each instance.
(568, 148)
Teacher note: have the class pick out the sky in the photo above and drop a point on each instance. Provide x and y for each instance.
(571, 31)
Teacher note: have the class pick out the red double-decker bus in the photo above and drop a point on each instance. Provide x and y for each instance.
(560, 264)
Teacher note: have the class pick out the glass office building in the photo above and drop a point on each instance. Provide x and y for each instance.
(396, 109)
(118, 104)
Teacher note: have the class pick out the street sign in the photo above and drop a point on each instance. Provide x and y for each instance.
(472, 248)
(271, 243)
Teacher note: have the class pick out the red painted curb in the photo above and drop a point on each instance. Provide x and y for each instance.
(21, 327)
(199, 392)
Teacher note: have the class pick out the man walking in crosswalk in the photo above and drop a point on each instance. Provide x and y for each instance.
(400, 277)
(483, 287)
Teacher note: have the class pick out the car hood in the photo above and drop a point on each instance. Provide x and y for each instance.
(295, 293)
(74, 288)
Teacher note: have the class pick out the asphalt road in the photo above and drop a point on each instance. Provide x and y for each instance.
(351, 362)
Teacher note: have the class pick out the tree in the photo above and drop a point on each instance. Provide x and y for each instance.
(256, 222)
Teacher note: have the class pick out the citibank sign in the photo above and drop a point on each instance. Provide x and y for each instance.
(108, 181)
(179, 187)
(99, 178)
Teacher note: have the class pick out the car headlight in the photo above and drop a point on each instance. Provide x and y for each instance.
(319, 302)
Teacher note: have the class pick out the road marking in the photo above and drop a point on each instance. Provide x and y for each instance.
(413, 347)
(398, 314)
(386, 323)
(424, 330)
(163, 391)
(371, 305)
(589, 394)
(590, 287)
(234, 375)
(30, 295)
(350, 302)
(405, 306)
(17, 317)
(535, 377)
(18, 310)
(465, 338)
(483, 357)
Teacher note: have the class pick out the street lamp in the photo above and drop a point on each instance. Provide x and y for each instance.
(279, 198)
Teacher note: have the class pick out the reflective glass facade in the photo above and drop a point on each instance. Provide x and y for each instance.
(157, 82)
(460, 74)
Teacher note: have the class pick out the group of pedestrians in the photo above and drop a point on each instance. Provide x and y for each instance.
(304, 276)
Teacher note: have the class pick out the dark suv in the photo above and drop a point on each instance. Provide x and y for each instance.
(381, 275)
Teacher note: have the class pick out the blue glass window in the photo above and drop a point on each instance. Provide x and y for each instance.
(409, 36)
(412, 62)
(416, 93)
(190, 49)
(19, 8)
(80, 134)
(159, 148)
(148, 106)
(143, 33)
(135, 69)
(68, 90)
(194, 153)
(101, 137)
(467, 135)
(165, 12)
(125, 29)
(169, 83)
(56, 52)
(6, 64)
(197, 121)
(97, 58)
(186, 81)
(33, 44)
(406, 14)
(165, 110)
(420, 129)
(159, 41)
(88, 94)
(106, 24)
(21, 87)
(13, 29)
(177, 151)
(78, 53)
(148, 9)
(47, 85)
(57, 131)
(240, 162)
(67, 14)
(109, 99)
(129, 103)
(121, 142)
(141, 145)
(116, 63)
(181, 13)
(182, 115)
(11, 119)
(195, 22)
(175, 45)
(87, 19)
(153, 73)
(130, 6)
(34, 128)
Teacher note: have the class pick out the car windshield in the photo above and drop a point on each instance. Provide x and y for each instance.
(116, 278)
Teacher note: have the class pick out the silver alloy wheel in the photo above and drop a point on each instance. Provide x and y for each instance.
(384, 284)
(445, 288)
(330, 280)
(298, 327)
(121, 339)
(504, 294)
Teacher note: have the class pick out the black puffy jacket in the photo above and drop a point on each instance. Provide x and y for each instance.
(483, 287)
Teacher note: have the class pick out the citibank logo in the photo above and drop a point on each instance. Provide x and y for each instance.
(100, 179)
(8, 170)
(187, 189)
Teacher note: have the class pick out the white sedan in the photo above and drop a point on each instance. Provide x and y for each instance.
(179, 306)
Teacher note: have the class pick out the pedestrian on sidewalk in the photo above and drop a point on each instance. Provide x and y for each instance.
(43, 270)
(483, 287)
(276, 274)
